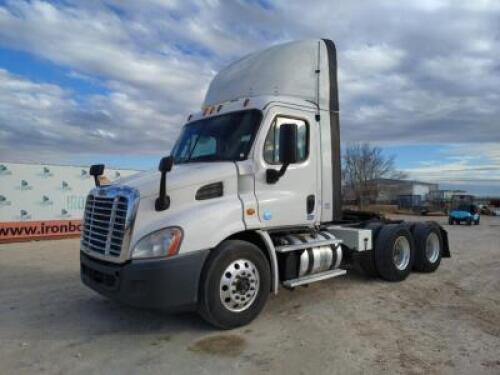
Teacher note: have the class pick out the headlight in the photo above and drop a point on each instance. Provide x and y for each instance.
(162, 243)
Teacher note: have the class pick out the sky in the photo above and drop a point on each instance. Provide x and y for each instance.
(114, 80)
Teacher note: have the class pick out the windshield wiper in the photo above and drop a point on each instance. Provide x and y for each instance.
(192, 150)
(203, 158)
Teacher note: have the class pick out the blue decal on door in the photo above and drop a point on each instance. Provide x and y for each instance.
(267, 215)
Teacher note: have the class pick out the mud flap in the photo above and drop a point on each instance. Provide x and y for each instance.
(446, 247)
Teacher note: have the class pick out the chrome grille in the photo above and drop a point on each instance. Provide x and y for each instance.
(106, 220)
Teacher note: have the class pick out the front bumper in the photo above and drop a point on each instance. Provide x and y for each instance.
(168, 284)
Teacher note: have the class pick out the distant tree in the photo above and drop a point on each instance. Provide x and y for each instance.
(362, 164)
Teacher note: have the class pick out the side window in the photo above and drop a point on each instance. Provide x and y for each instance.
(271, 145)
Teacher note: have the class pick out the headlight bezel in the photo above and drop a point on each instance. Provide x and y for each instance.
(156, 238)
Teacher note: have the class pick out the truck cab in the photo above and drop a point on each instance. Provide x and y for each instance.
(248, 201)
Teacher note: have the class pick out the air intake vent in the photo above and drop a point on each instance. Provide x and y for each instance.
(210, 191)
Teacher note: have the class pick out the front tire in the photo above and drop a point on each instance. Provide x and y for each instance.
(394, 252)
(428, 247)
(235, 284)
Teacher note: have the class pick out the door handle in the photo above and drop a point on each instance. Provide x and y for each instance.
(310, 202)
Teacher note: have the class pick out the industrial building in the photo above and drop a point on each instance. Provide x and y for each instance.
(443, 195)
(392, 191)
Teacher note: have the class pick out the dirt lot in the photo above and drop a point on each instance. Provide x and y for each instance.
(443, 323)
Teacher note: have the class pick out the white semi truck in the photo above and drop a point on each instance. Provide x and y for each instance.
(248, 201)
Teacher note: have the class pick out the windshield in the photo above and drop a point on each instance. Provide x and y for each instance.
(226, 137)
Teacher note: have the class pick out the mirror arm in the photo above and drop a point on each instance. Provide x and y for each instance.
(283, 169)
(163, 200)
(272, 175)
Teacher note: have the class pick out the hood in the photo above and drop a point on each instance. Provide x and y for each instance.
(181, 175)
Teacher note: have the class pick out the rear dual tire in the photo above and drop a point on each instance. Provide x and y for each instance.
(429, 246)
(394, 252)
(397, 250)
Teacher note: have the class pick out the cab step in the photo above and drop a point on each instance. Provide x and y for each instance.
(314, 278)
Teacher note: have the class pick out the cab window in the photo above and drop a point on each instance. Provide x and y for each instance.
(271, 145)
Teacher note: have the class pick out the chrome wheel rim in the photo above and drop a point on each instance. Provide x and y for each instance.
(401, 253)
(239, 285)
(432, 247)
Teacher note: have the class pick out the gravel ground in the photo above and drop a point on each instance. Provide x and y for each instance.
(447, 322)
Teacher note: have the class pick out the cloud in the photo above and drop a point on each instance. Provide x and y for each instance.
(43, 118)
(368, 60)
(97, 42)
(466, 164)
(410, 72)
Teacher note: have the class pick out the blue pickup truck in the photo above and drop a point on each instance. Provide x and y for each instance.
(467, 213)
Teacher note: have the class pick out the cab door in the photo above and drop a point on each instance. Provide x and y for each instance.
(295, 198)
